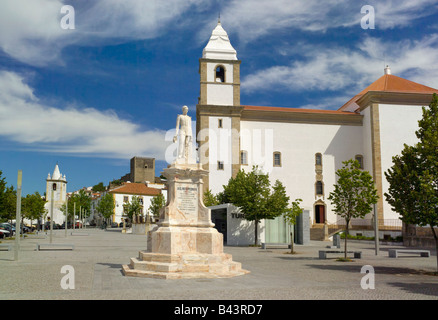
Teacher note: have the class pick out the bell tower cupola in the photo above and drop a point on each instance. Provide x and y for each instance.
(220, 71)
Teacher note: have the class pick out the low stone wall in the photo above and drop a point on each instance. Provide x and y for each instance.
(414, 236)
(140, 228)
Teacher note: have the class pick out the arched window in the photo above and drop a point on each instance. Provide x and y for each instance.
(319, 188)
(359, 158)
(243, 157)
(277, 159)
(318, 159)
(54, 187)
(219, 74)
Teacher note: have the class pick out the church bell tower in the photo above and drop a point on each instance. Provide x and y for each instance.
(57, 183)
(218, 109)
(220, 71)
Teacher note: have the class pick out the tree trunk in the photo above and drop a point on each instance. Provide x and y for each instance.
(291, 242)
(346, 237)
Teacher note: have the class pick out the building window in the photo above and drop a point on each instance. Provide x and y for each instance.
(277, 159)
(359, 158)
(220, 165)
(219, 123)
(319, 188)
(219, 75)
(125, 199)
(318, 159)
(243, 157)
(54, 187)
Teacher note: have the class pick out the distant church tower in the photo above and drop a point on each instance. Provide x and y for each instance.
(58, 184)
(218, 110)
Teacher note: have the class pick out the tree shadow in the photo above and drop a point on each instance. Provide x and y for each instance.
(425, 288)
(345, 266)
(110, 266)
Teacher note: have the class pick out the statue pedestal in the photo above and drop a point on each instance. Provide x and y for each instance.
(185, 243)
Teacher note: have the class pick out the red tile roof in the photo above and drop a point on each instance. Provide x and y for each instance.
(390, 83)
(137, 189)
(299, 110)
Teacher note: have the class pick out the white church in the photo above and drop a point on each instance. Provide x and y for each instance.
(302, 148)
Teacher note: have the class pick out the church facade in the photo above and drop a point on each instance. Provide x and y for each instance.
(302, 148)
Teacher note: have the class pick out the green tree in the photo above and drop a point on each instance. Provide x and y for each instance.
(290, 217)
(9, 204)
(354, 194)
(157, 203)
(210, 199)
(2, 190)
(106, 205)
(134, 207)
(99, 187)
(413, 178)
(251, 193)
(82, 201)
(33, 207)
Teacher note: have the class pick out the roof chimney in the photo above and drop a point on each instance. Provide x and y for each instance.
(387, 70)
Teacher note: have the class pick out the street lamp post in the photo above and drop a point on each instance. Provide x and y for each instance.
(376, 230)
(51, 215)
(18, 215)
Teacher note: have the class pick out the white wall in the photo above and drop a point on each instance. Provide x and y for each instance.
(119, 205)
(398, 124)
(219, 150)
(298, 144)
(220, 94)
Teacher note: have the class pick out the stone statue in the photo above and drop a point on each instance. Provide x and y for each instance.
(184, 129)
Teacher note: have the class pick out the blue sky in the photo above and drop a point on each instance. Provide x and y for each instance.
(92, 97)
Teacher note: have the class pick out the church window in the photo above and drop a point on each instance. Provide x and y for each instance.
(359, 158)
(243, 157)
(318, 159)
(219, 123)
(319, 188)
(220, 165)
(54, 187)
(277, 159)
(219, 74)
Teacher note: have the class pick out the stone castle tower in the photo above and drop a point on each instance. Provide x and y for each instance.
(57, 183)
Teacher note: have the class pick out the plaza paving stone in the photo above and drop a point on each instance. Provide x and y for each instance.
(98, 257)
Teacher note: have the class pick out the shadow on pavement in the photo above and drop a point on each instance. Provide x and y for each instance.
(418, 288)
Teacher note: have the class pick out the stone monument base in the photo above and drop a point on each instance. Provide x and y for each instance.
(183, 266)
(183, 253)
(184, 244)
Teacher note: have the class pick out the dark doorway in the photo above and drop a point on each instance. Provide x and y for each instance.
(319, 213)
(219, 218)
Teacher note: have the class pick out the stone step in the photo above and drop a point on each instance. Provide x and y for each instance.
(128, 271)
(153, 266)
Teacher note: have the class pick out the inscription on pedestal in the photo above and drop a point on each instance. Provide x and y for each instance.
(187, 198)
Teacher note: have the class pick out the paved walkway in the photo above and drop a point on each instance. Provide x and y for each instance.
(98, 256)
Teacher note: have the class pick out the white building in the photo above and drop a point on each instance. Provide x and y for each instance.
(302, 148)
(56, 190)
(124, 194)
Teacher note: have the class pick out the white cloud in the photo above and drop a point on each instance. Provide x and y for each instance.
(30, 31)
(35, 126)
(338, 68)
(251, 19)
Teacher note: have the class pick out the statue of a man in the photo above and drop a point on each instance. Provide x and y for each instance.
(184, 129)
